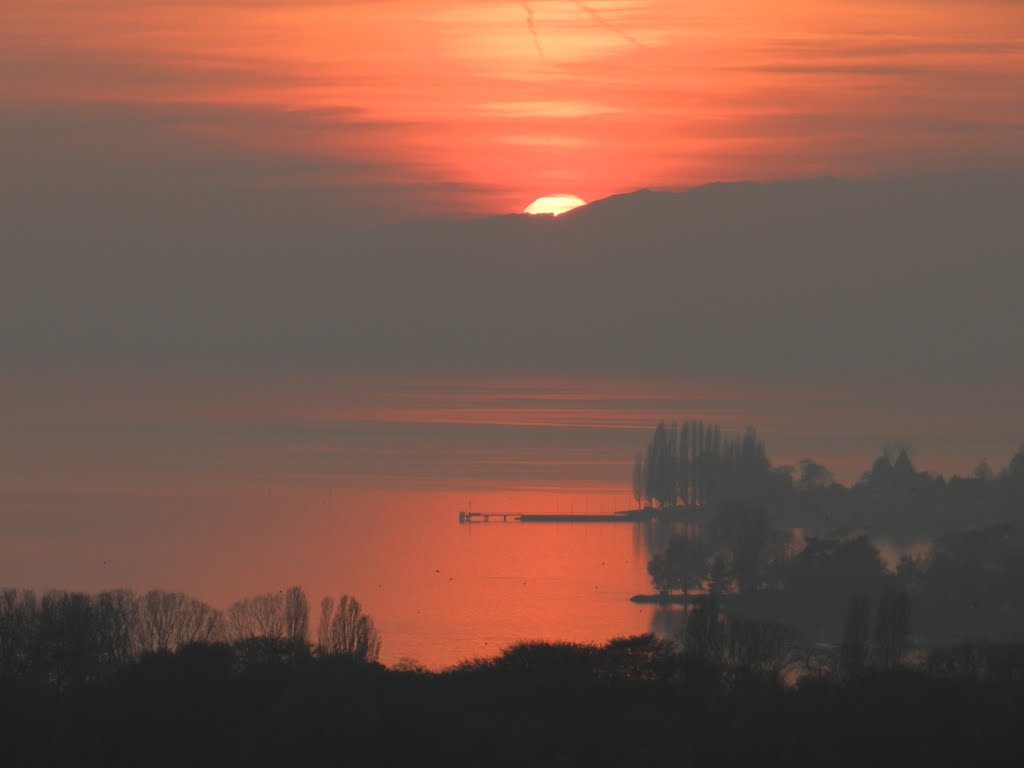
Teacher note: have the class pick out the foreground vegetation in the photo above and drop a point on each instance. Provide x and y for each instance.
(161, 679)
(65, 641)
(636, 701)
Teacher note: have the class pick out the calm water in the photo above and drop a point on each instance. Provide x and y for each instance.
(440, 592)
(224, 488)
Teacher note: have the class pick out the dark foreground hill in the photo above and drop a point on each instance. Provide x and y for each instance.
(634, 702)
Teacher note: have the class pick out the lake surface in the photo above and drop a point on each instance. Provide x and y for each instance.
(224, 487)
(440, 592)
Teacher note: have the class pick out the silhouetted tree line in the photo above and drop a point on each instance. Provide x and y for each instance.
(968, 588)
(751, 542)
(694, 465)
(725, 699)
(738, 550)
(66, 639)
(697, 465)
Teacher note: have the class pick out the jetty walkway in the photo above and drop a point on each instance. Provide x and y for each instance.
(681, 514)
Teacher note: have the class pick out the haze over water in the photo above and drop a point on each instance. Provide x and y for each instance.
(225, 487)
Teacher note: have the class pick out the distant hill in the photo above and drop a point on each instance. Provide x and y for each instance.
(904, 278)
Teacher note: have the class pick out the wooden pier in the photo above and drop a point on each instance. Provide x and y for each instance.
(485, 517)
(628, 516)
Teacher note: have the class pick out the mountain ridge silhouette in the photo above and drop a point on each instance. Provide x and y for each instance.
(893, 278)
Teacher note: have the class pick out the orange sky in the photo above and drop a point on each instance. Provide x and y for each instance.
(452, 106)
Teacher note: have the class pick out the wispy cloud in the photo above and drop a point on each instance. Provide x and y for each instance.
(598, 17)
(675, 84)
(532, 26)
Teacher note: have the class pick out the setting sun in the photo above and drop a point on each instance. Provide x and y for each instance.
(554, 204)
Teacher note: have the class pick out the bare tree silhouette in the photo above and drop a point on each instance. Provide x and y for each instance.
(346, 631)
(853, 652)
(169, 620)
(892, 628)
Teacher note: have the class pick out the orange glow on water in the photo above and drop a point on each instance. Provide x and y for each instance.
(438, 591)
(228, 487)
